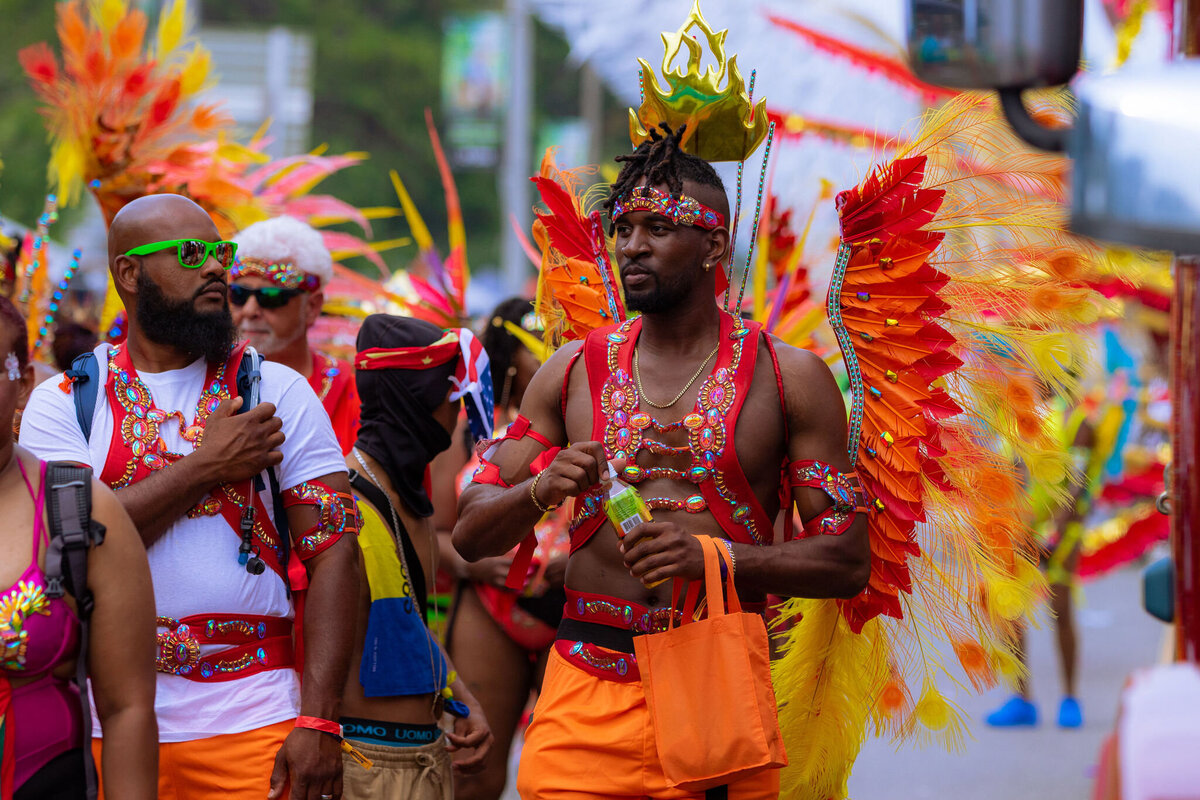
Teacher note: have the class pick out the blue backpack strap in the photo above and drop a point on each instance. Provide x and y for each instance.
(84, 375)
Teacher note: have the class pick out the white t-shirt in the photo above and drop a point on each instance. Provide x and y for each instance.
(194, 564)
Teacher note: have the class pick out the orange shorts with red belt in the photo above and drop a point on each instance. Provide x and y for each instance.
(591, 734)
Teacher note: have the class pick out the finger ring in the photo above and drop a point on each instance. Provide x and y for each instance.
(326, 797)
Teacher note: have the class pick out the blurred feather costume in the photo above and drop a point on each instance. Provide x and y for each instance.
(957, 294)
(123, 121)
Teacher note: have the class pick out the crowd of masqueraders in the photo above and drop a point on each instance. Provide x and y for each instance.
(310, 584)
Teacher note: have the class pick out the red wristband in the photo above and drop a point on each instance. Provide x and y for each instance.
(318, 724)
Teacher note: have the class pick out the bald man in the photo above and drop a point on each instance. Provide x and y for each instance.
(236, 717)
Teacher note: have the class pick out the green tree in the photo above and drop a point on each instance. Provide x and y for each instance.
(23, 143)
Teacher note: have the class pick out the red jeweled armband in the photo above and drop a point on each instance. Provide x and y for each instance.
(841, 487)
(337, 516)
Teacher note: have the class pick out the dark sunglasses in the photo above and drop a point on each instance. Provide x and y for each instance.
(267, 296)
(191, 253)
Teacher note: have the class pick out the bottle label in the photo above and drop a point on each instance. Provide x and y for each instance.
(626, 510)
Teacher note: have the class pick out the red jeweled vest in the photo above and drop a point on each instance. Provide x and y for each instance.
(720, 484)
(137, 450)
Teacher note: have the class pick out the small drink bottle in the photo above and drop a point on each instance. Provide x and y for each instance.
(624, 505)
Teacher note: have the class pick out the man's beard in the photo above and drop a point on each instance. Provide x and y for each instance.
(177, 323)
(657, 299)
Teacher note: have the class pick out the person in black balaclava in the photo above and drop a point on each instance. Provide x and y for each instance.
(406, 375)
(399, 427)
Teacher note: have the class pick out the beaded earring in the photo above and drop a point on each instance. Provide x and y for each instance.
(13, 365)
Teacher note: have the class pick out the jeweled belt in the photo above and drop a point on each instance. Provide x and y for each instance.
(259, 644)
(596, 633)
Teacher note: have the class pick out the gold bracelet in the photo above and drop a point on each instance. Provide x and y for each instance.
(533, 495)
(732, 558)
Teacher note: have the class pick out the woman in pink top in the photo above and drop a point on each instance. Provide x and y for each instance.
(40, 718)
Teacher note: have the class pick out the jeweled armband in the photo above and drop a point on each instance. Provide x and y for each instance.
(842, 487)
(337, 515)
(489, 473)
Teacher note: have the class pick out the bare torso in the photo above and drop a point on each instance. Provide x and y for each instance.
(412, 709)
(760, 442)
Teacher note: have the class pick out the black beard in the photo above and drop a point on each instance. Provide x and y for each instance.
(177, 324)
(658, 299)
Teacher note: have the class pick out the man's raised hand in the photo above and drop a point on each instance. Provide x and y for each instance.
(239, 446)
(573, 471)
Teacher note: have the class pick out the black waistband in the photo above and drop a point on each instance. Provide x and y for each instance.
(592, 633)
(390, 732)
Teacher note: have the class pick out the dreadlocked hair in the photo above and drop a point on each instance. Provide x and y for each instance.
(660, 160)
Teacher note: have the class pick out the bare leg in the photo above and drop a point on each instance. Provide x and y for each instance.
(1061, 604)
(1018, 647)
(499, 673)
(1019, 709)
(1064, 628)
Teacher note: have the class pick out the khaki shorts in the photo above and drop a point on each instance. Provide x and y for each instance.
(413, 773)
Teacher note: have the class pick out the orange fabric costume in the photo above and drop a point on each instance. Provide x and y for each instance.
(333, 381)
(234, 765)
(592, 738)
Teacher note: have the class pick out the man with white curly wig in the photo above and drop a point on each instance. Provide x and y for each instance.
(277, 292)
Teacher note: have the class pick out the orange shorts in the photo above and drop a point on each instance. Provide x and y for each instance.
(236, 765)
(592, 738)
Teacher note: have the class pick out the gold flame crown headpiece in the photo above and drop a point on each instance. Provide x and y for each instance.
(722, 123)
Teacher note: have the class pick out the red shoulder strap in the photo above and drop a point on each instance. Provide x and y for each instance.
(785, 487)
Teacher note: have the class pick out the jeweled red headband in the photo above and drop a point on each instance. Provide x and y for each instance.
(682, 210)
(288, 276)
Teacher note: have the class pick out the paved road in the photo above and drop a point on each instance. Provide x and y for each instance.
(1043, 763)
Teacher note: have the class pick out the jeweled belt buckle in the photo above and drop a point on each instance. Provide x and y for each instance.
(178, 650)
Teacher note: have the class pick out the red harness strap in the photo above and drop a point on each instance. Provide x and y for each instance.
(489, 473)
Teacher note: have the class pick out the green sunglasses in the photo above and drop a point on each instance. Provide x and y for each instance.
(192, 253)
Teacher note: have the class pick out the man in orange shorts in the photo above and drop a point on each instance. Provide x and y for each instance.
(661, 397)
(246, 517)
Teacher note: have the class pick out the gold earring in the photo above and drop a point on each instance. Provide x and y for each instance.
(707, 266)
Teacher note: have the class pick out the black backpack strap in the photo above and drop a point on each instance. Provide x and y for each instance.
(73, 532)
(248, 380)
(84, 375)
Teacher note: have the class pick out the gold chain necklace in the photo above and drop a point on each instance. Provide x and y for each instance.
(637, 379)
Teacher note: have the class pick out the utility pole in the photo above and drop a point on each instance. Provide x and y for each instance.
(515, 166)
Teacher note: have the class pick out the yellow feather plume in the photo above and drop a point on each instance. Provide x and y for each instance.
(170, 29)
(825, 683)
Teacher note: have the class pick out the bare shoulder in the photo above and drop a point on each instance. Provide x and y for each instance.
(547, 382)
(555, 367)
(807, 379)
(107, 510)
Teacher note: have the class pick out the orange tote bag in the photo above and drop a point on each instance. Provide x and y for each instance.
(708, 686)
